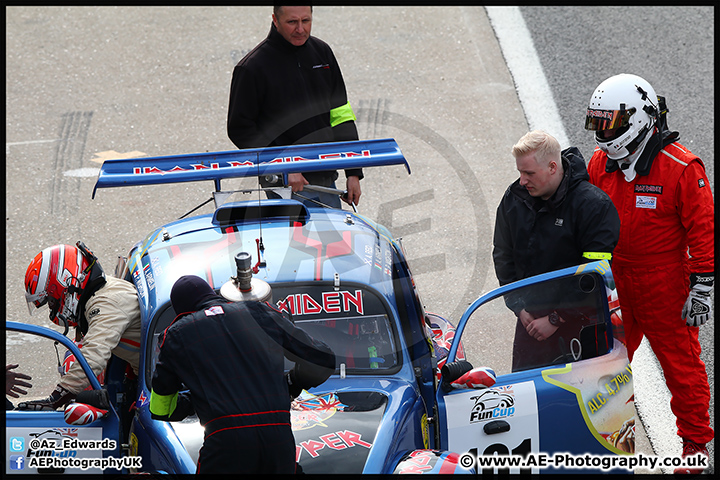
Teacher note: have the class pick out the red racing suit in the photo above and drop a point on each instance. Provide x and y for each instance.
(664, 216)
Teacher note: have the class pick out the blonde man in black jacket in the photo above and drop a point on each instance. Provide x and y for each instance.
(550, 218)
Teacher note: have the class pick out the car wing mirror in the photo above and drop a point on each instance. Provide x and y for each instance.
(481, 377)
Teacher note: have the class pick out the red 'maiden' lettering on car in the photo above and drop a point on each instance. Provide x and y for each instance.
(327, 156)
(331, 302)
(155, 170)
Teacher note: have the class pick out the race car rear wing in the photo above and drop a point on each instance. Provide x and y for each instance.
(216, 166)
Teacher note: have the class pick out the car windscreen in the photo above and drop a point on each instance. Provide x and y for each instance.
(361, 344)
(353, 320)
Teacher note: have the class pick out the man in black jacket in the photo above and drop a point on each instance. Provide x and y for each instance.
(548, 219)
(289, 90)
(229, 355)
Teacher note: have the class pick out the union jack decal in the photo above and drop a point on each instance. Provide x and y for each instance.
(68, 432)
(324, 402)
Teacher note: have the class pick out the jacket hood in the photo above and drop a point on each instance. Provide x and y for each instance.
(575, 169)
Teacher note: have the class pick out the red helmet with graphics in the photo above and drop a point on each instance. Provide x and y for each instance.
(56, 277)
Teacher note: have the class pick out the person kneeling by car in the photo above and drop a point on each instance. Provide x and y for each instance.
(229, 355)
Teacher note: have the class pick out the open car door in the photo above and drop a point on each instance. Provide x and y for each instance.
(42, 441)
(560, 397)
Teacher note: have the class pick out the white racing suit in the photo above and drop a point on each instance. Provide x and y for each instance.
(113, 316)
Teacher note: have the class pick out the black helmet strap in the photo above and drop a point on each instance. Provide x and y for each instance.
(95, 281)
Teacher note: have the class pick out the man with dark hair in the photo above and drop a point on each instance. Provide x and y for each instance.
(229, 355)
(289, 90)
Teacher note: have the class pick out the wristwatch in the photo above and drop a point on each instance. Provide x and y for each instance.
(555, 319)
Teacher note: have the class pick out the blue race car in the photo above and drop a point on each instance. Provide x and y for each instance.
(410, 393)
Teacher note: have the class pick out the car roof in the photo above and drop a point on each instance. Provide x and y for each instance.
(318, 245)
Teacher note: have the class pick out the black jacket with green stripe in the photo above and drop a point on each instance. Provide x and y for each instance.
(284, 95)
(578, 224)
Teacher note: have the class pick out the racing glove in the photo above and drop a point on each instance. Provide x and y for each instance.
(58, 398)
(294, 388)
(698, 306)
(306, 375)
(95, 398)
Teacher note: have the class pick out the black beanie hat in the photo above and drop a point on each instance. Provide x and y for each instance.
(189, 292)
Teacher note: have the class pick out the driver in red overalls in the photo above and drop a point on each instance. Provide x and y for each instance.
(663, 264)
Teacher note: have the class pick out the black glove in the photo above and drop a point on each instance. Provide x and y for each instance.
(58, 398)
(183, 408)
(306, 375)
(95, 398)
(310, 375)
(698, 307)
(294, 388)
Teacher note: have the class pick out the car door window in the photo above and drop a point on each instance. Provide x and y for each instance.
(161, 321)
(496, 336)
(41, 441)
(578, 372)
(38, 357)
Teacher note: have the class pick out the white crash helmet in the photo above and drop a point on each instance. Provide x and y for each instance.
(627, 103)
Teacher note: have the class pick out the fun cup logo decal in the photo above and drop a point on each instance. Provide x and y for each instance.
(492, 404)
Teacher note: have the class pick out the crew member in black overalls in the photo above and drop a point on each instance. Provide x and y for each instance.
(229, 355)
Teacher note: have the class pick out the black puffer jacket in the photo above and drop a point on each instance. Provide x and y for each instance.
(534, 236)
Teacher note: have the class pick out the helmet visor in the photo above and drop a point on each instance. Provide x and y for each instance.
(598, 120)
(39, 302)
(36, 302)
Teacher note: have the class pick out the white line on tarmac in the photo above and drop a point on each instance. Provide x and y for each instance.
(524, 65)
(28, 142)
(82, 172)
(652, 398)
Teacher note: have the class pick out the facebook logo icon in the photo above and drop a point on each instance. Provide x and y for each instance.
(17, 462)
